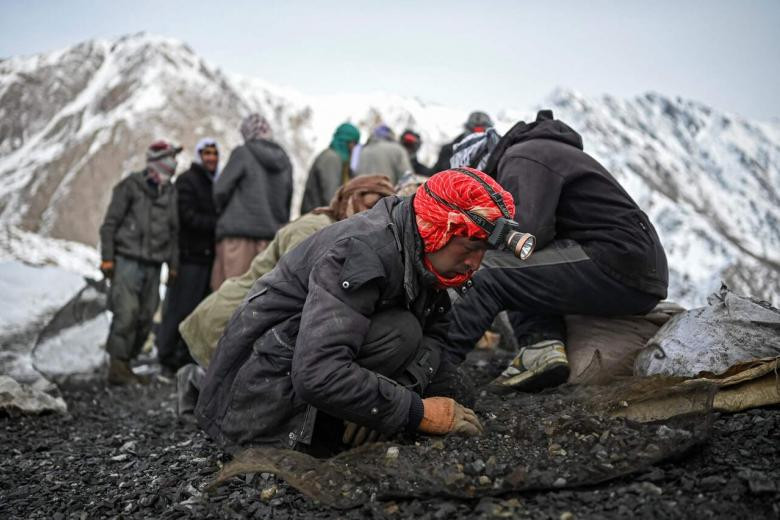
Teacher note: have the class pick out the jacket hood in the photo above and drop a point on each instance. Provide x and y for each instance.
(545, 127)
(270, 155)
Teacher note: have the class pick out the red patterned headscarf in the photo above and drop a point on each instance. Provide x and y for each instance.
(438, 223)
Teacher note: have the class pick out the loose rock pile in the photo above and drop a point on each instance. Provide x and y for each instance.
(121, 452)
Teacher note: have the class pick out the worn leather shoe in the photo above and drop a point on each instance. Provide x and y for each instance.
(119, 373)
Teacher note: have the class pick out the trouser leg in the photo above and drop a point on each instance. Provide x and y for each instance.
(234, 256)
(190, 287)
(124, 299)
(392, 342)
(189, 380)
(395, 342)
(149, 301)
(530, 328)
(561, 279)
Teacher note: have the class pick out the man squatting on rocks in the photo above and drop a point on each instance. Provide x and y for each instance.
(204, 326)
(597, 253)
(350, 327)
(138, 234)
(202, 329)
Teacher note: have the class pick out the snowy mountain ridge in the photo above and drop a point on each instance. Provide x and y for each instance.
(73, 121)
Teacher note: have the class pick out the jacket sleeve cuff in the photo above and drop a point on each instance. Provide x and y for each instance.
(416, 411)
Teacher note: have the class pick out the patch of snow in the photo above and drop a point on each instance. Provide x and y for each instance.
(31, 294)
(75, 350)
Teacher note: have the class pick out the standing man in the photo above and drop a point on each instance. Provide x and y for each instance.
(197, 222)
(476, 122)
(138, 234)
(331, 168)
(252, 197)
(382, 155)
(597, 253)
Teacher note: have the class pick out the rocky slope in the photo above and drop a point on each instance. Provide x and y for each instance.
(73, 121)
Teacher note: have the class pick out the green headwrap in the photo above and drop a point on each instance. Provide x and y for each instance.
(344, 134)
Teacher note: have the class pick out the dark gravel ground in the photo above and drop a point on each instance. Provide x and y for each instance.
(122, 453)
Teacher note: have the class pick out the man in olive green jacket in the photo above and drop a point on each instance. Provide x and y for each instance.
(139, 233)
(203, 328)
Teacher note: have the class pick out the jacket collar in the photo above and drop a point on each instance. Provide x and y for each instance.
(416, 277)
(153, 190)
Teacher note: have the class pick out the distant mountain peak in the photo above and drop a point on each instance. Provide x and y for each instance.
(74, 120)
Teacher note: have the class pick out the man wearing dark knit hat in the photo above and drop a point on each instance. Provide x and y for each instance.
(344, 339)
(138, 234)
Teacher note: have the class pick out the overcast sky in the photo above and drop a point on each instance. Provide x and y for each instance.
(471, 55)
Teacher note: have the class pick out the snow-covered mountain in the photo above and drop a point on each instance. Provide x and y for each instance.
(73, 121)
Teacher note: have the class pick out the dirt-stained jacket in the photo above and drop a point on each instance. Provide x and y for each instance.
(289, 349)
(141, 222)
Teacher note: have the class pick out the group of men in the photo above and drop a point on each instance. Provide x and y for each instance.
(343, 330)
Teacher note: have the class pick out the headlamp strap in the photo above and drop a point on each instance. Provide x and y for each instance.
(476, 218)
(494, 195)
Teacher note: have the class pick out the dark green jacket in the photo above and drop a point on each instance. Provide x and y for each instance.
(141, 222)
(324, 180)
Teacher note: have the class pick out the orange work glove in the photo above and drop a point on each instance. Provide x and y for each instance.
(442, 415)
(107, 268)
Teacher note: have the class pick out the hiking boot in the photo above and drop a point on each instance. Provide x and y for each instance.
(119, 373)
(538, 366)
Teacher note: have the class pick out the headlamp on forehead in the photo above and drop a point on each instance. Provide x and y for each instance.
(504, 233)
(507, 235)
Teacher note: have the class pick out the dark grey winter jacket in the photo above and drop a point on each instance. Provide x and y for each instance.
(141, 222)
(563, 193)
(253, 192)
(289, 349)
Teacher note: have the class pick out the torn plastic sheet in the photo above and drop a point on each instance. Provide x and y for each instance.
(731, 329)
(571, 437)
(742, 386)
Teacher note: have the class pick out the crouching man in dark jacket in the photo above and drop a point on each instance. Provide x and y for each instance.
(350, 326)
(597, 252)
